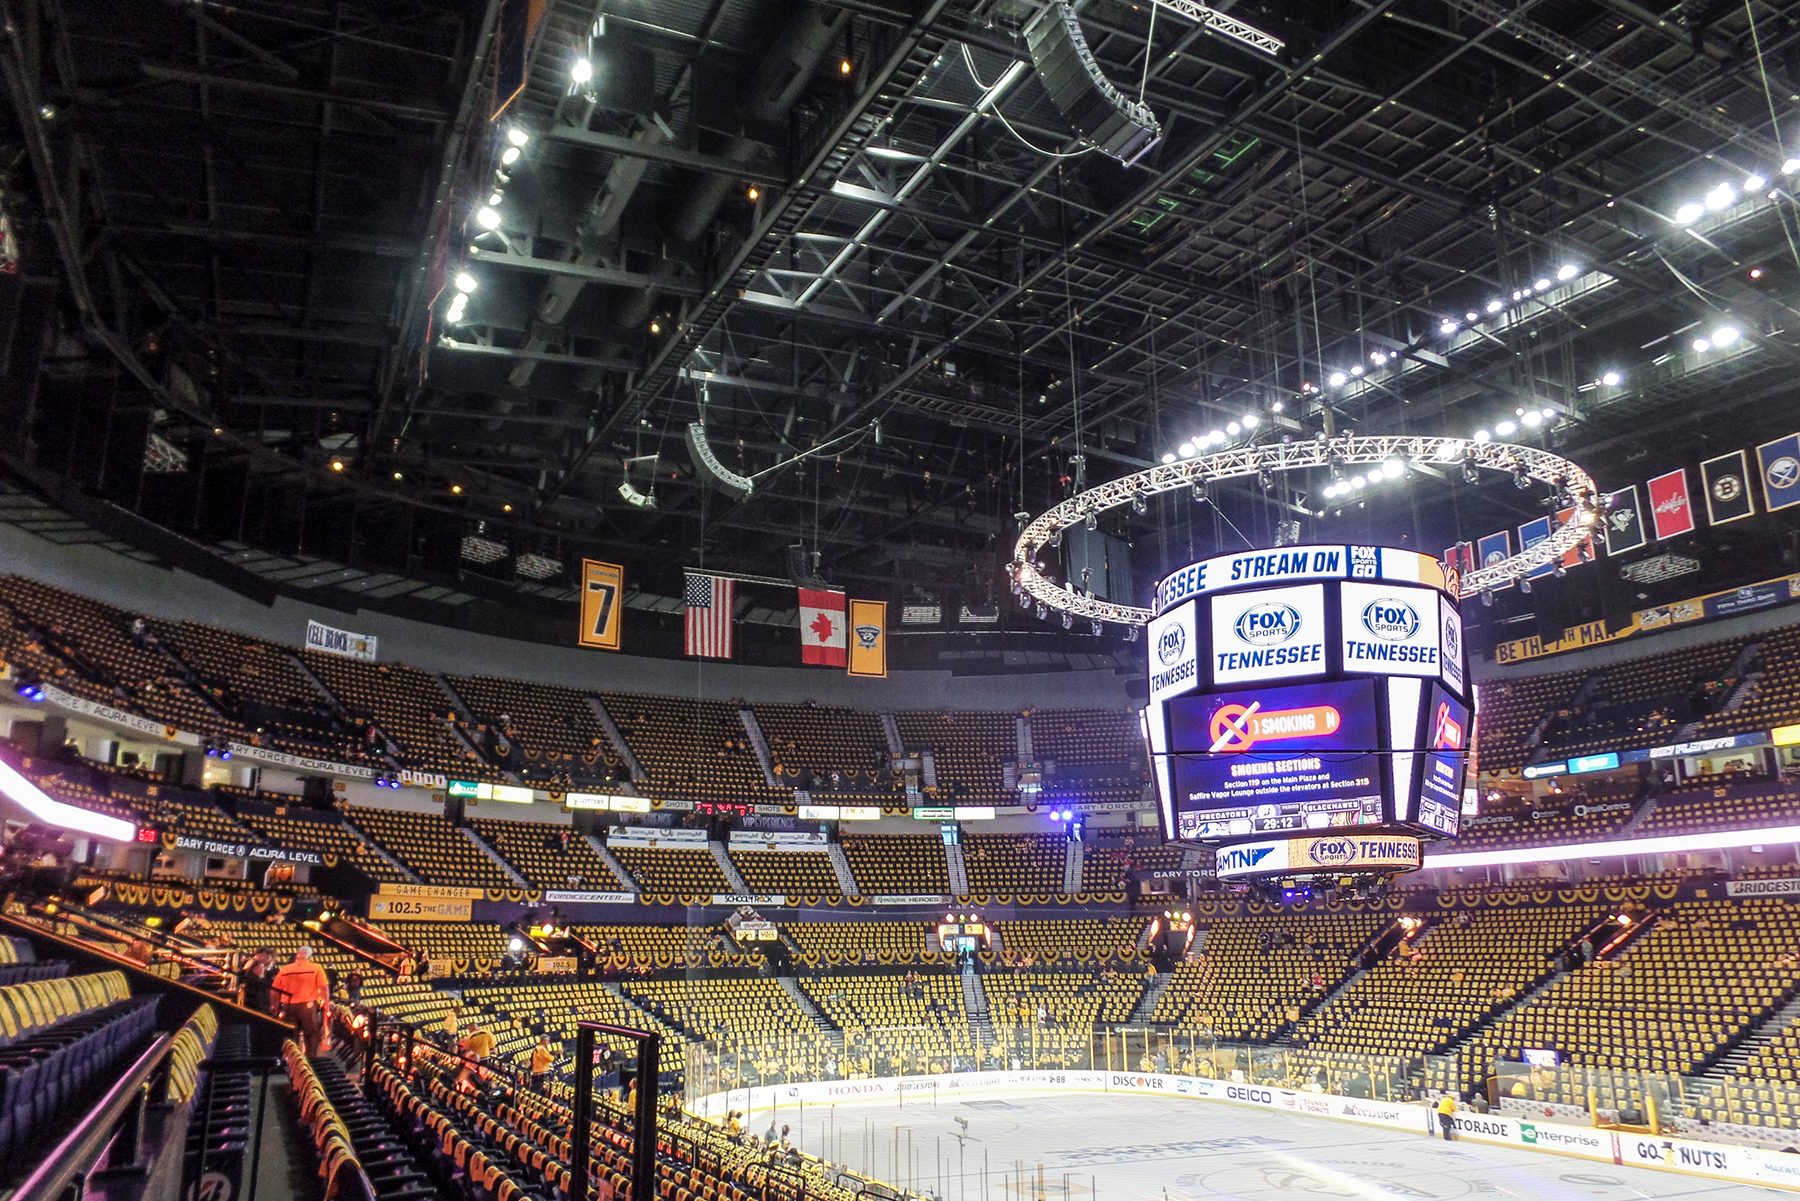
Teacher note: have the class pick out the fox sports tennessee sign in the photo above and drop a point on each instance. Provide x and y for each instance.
(1307, 691)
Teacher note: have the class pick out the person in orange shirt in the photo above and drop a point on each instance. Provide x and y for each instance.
(302, 989)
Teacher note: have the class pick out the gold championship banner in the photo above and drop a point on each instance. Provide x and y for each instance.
(868, 638)
(602, 603)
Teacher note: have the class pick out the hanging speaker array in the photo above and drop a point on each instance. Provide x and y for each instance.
(1102, 116)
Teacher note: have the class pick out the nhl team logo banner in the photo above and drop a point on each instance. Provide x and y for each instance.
(1530, 534)
(1727, 483)
(1671, 510)
(1624, 520)
(1778, 463)
(868, 638)
(1459, 561)
(1495, 548)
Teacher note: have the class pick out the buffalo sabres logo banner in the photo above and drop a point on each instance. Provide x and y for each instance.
(1624, 528)
(868, 638)
(1779, 464)
(1727, 482)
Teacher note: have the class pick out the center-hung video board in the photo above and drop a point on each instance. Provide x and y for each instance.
(1307, 689)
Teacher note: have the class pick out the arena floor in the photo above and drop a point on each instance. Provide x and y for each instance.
(1145, 1149)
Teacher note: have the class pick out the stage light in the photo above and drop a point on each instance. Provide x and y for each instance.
(1138, 504)
(517, 136)
(1525, 586)
(1024, 600)
(1379, 358)
(509, 156)
(1487, 597)
(456, 489)
(845, 66)
(1357, 369)
(1068, 621)
(1567, 272)
(1096, 629)
(1131, 633)
(1041, 611)
(753, 193)
(1266, 478)
(1483, 436)
(1724, 336)
(1233, 429)
(1533, 418)
(1542, 285)
(515, 944)
(1199, 492)
(1093, 521)
(1689, 213)
(581, 70)
(1471, 316)
(459, 308)
(655, 326)
(1506, 429)
(1358, 482)
(1790, 166)
(1167, 459)
(1394, 468)
(1521, 480)
(1754, 183)
(1720, 198)
(1447, 326)
(1276, 406)
(337, 465)
(488, 217)
(1548, 413)
(1702, 345)
(1611, 379)
(1336, 379)
(1494, 306)
(1250, 420)
(1186, 449)
(1216, 437)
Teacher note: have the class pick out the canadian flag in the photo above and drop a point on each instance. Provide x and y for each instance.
(1671, 513)
(823, 637)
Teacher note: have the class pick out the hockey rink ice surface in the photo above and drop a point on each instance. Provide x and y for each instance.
(1098, 1148)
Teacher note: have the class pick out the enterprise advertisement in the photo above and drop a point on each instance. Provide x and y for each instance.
(1265, 760)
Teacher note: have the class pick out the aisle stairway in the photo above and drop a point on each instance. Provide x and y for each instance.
(840, 863)
(481, 845)
(627, 882)
(728, 868)
(1159, 984)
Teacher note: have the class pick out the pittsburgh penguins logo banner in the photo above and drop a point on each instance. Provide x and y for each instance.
(1624, 520)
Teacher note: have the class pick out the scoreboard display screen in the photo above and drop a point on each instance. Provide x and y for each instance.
(1446, 752)
(1262, 760)
(1303, 690)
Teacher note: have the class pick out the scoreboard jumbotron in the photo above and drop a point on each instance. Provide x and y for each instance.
(1309, 708)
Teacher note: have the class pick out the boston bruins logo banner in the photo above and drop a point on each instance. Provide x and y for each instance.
(1728, 495)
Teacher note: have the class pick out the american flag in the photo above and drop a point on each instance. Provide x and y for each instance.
(708, 601)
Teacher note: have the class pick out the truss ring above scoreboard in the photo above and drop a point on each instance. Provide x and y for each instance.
(1344, 450)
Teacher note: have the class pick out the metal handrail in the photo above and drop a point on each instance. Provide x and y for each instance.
(78, 1151)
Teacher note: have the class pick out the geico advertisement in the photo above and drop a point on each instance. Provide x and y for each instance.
(1270, 634)
(1390, 630)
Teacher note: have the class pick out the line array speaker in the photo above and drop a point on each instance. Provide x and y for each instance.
(1103, 116)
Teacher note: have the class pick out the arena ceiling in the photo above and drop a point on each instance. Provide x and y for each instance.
(792, 220)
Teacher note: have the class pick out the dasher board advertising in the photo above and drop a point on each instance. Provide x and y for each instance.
(1279, 759)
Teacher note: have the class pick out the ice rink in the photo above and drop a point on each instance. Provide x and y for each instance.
(1103, 1148)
